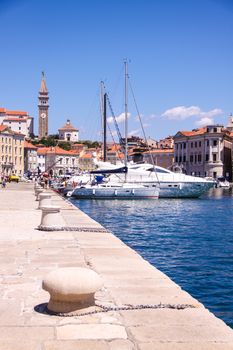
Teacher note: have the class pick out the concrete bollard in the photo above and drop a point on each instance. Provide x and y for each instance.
(38, 191)
(44, 199)
(71, 288)
(51, 219)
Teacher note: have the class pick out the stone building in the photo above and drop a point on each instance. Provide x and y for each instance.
(43, 106)
(204, 152)
(163, 157)
(86, 161)
(11, 152)
(68, 132)
(18, 121)
(57, 161)
(30, 158)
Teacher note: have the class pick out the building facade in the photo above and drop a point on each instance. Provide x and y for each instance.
(68, 132)
(57, 161)
(18, 121)
(43, 106)
(204, 152)
(30, 158)
(11, 152)
(163, 157)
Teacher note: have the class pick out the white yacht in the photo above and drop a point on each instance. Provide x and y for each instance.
(171, 184)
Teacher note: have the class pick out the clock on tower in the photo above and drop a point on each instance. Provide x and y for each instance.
(43, 106)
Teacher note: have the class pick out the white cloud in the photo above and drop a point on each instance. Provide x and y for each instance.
(204, 121)
(120, 118)
(212, 113)
(182, 112)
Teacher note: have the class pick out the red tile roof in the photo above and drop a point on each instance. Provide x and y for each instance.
(194, 132)
(3, 127)
(42, 150)
(29, 145)
(11, 119)
(55, 150)
(23, 113)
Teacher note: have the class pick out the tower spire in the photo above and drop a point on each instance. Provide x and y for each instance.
(43, 87)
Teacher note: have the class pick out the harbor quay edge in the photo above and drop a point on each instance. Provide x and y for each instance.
(28, 254)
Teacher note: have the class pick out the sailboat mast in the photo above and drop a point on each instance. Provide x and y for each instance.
(126, 114)
(105, 127)
(104, 120)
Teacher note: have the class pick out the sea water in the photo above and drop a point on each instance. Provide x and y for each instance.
(190, 240)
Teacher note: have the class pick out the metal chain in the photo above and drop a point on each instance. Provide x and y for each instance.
(122, 308)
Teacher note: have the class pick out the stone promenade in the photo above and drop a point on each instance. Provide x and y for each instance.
(27, 255)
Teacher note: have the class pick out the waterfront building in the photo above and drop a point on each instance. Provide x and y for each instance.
(30, 158)
(68, 132)
(86, 161)
(43, 106)
(11, 152)
(163, 157)
(152, 143)
(57, 161)
(41, 153)
(18, 121)
(204, 152)
(167, 142)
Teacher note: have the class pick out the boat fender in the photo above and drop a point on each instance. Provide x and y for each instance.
(93, 192)
(115, 192)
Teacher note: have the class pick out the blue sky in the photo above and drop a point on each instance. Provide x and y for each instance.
(180, 53)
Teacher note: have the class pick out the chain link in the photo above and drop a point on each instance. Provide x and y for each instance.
(121, 308)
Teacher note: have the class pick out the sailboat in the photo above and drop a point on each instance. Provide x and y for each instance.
(118, 189)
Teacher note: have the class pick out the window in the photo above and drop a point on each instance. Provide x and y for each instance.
(214, 157)
(215, 142)
(191, 158)
(184, 145)
(207, 157)
(199, 157)
(195, 158)
(215, 174)
(199, 143)
(184, 159)
(195, 143)
(191, 144)
(207, 143)
(176, 159)
(215, 129)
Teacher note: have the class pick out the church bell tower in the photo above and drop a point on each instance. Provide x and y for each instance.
(43, 106)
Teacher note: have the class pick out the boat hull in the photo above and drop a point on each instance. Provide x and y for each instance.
(110, 193)
(184, 190)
